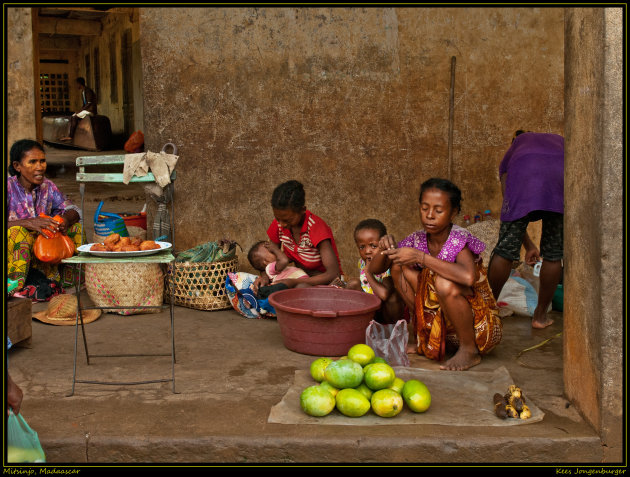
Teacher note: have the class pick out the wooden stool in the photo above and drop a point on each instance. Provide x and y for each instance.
(19, 321)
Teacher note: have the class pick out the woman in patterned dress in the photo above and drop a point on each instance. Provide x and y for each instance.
(30, 194)
(439, 274)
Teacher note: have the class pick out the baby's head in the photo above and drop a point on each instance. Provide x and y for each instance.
(367, 234)
(259, 256)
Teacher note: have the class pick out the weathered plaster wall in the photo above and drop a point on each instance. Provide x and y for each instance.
(352, 102)
(593, 299)
(20, 106)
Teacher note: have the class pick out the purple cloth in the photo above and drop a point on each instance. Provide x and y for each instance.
(44, 199)
(534, 165)
(458, 238)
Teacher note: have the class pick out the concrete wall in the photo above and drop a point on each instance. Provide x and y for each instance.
(593, 297)
(20, 108)
(352, 102)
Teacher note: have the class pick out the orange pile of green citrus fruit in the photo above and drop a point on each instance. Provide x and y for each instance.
(360, 382)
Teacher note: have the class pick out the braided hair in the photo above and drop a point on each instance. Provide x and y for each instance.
(288, 195)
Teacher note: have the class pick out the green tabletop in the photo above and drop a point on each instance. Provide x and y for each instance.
(84, 257)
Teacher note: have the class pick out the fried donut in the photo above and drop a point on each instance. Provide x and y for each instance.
(111, 239)
(148, 245)
(130, 248)
(117, 247)
(136, 241)
(124, 241)
(98, 247)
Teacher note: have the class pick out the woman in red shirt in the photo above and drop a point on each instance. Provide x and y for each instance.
(304, 237)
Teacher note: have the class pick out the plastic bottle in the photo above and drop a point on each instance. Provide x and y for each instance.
(486, 214)
(477, 217)
(467, 220)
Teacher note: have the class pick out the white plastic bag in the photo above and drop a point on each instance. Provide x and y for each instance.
(389, 341)
(518, 295)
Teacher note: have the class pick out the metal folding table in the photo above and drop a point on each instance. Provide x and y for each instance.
(77, 261)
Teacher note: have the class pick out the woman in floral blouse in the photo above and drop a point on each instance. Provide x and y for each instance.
(29, 194)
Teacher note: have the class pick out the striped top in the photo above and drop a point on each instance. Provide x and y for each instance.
(305, 252)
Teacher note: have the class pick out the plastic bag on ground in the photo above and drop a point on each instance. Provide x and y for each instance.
(22, 442)
(389, 341)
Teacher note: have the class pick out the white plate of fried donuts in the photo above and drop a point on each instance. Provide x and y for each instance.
(116, 246)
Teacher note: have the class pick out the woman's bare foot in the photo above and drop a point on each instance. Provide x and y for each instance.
(462, 360)
(412, 348)
(541, 320)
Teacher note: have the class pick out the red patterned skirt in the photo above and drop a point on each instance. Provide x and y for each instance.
(433, 329)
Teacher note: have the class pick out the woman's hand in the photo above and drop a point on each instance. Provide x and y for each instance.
(289, 282)
(37, 224)
(532, 256)
(63, 225)
(261, 281)
(70, 217)
(14, 396)
(404, 256)
(380, 261)
(387, 242)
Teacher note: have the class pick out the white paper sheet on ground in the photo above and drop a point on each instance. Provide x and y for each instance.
(458, 398)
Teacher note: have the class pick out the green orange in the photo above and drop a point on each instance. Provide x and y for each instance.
(397, 385)
(362, 354)
(386, 403)
(352, 403)
(379, 376)
(363, 389)
(317, 368)
(329, 387)
(416, 395)
(317, 401)
(344, 373)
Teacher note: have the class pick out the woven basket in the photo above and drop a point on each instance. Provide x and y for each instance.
(125, 284)
(201, 285)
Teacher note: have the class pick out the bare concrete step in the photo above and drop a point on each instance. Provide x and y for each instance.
(231, 371)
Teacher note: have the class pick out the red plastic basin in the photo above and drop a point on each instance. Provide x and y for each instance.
(323, 321)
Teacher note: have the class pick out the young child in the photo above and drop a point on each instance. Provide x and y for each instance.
(305, 238)
(441, 277)
(267, 257)
(367, 235)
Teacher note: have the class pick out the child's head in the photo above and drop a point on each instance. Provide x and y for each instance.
(259, 256)
(288, 203)
(440, 202)
(367, 234)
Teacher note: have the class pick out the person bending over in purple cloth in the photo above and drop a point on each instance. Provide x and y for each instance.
(532, 182)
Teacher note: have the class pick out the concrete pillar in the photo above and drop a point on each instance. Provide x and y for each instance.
(21, 108)
(593, 290)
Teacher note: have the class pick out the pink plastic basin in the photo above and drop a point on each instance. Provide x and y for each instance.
(323, 321)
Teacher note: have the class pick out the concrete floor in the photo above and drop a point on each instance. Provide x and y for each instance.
(231, 371)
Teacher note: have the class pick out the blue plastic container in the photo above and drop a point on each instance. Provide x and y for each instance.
(106, 224)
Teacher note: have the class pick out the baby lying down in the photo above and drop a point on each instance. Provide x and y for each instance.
(267, 257)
